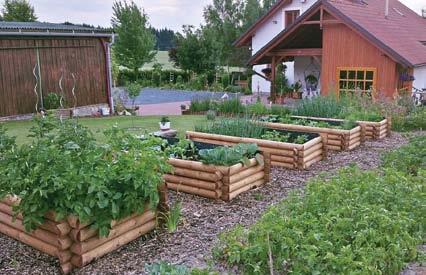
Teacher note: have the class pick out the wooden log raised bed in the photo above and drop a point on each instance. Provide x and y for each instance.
(369, 129)
(287, 155)
(73, 243)
(217, 182)
(336, 139)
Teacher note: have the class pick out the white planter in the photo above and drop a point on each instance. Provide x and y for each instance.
(105, 111)
(165, 126)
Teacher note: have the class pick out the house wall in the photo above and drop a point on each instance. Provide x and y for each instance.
(265, 33)
(420, 78)
(84, 57)
(342, 47)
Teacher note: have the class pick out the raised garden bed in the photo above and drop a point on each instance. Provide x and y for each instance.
(283, 154)
(369, 129)
(217, 182)
(75, 244)
(335, 137)
(215, 172)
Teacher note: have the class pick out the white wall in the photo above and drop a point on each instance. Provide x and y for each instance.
(420, 78)
(266, 33)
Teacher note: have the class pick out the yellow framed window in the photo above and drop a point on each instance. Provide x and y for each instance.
(356, 80)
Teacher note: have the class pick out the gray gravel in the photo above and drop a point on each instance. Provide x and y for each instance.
(156, 96)
(203, 221)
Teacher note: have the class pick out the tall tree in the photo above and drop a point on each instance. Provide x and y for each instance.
(252, 12)
(224, 19)
(18, 10)
(135, 43)
(267, 4)
(165, 39)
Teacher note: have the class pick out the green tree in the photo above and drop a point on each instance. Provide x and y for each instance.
(267, 4)
(252, 12)
(135, 43)
(193, 51)
(18, 10)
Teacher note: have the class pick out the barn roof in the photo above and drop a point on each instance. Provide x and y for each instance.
(402, 34)
(51, 29)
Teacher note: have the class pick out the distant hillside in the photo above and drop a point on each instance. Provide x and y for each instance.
(162, 57)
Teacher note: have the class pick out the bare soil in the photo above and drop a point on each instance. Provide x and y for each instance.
(203, 221)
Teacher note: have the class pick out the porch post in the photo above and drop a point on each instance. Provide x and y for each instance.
(273, 76)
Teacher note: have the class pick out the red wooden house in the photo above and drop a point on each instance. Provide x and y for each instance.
(361, 46)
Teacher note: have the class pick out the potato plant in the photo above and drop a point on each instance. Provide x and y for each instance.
(66, 170)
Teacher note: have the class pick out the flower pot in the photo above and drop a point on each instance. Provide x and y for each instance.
(164, 126)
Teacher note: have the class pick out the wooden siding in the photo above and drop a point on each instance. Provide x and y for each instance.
(342, 47)
(84, 57)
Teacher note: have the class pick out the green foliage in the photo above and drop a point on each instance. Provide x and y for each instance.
(238, 127)
(135, 43)
(353, 223)
(321, 106)
(409, 158)
(200, 105)
(257, 109)
(65, 170)
(165, 268)
(211, 115)
(275, 136)
(279, 110)
(231, 106)
(51, 101)
(416, 120)
(173, 217)
(18, 11)
(164, 119)
(227, 156)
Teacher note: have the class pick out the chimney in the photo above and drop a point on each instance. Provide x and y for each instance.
(386, 8)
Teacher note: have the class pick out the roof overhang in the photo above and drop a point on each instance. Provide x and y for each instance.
(323, 4)
(54, 34)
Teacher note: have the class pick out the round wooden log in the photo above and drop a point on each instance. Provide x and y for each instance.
(193, 165)
(355, 140)
(74, 222)
(245, 188)
(334, 147)
(241, 167)
(82, 260)
(312, 149)
(353, 146)
(8, 210)
(28, 240)
(260, 142)
(284, 164)
(315, 160)
(312, 143)
(194, 190)
(213, 177)
(283, 159)
(354, 135)
(312, 156)
(14, 201)
(66, 268)
(64, 256)
(355, 130)
(92, 243)
(245, 174)
(246, 181)
(334, 142)
(53, 239)
(319, 118)
(192, 182)
(301, 128)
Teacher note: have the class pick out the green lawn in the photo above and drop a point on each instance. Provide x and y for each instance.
(97, 125)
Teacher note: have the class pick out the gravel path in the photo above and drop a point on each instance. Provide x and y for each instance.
(156, 96)
(203, 220)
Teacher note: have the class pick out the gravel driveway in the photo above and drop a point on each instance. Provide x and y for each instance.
(156, 96)
(203, 221)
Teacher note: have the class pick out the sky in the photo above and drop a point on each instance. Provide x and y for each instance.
(171, 14)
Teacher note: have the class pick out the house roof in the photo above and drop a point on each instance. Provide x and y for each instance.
(51, 29)
(400, 35)
(245, 38)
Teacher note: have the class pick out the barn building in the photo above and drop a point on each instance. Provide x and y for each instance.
(41, 58)
(351, 46)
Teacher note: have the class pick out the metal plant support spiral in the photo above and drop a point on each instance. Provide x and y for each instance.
(73, 90)
(36, 86)
(61, 100)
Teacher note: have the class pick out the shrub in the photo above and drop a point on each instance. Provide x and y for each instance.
(354, 223)
(415, 120)
(257, 109)
(51, 101)
(321, 106)
(200, 105)
(279, 110)
(211, 115)
(65, 170)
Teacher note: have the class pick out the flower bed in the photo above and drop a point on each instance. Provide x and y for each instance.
(336, 136)
(283, 154)
(216, 173)
(369, 129)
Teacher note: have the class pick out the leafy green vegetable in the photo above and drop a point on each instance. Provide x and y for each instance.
(65, 170)
(276, 136)
(227, 156)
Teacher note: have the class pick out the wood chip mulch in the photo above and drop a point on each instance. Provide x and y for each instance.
(203, 221)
